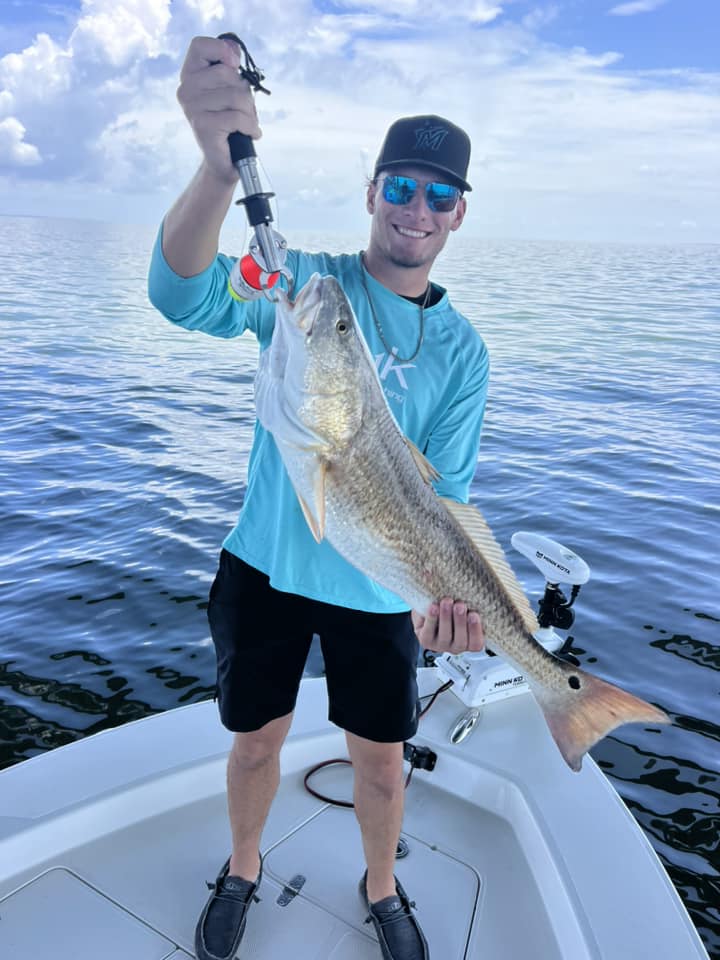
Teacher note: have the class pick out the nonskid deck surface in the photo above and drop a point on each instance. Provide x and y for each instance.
(105, 847)
(138, 892)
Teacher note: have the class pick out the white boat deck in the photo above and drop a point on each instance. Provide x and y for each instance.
(105, 846)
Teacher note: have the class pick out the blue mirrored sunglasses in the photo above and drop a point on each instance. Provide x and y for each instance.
(440, 197)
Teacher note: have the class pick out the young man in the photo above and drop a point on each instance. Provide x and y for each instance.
(275, 585)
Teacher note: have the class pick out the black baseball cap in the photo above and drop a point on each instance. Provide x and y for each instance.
(427, 141)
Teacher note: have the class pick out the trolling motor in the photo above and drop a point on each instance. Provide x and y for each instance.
(558, 565)
(255, 274)
(482, 678)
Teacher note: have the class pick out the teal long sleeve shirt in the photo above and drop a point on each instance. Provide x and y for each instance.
(438, 400)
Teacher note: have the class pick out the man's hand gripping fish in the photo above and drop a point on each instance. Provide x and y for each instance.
(366, 488)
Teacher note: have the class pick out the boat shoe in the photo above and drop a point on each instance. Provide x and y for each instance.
(222, 923)
(397, 930)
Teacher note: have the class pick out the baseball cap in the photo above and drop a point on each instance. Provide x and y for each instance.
(427, 141)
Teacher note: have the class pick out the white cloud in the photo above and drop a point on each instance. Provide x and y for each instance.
(399, 7)
(473, 11)
(330, 34)
(118, 32)
(14, 152)
(42, 72)
(7, 103)
(636, 6)
(540, 17)
(208, 9)
(484, 12)
(143, 144)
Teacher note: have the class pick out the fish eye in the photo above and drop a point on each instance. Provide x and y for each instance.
(341, 326)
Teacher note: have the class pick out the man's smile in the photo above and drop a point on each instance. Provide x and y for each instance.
(408, 232)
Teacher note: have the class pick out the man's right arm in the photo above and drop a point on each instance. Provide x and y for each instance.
(217, 102)
(191, 228)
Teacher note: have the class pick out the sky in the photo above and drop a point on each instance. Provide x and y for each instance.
(590, 119)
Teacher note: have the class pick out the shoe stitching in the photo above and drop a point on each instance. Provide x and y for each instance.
(229, 896)
(397, 917)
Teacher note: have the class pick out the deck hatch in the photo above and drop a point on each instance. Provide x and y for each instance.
(61, 909)
(333, 838)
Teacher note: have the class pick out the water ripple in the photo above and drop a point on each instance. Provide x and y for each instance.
(123, 456)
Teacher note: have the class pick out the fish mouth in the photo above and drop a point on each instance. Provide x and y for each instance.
(306, 305)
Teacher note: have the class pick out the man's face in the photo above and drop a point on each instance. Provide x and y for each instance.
(410, 235)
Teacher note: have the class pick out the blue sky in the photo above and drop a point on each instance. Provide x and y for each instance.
(672, 34)
(590, 119)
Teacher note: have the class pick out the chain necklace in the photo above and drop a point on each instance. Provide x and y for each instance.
(421, 306)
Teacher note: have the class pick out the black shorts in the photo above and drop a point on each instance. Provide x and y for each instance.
(262, 637)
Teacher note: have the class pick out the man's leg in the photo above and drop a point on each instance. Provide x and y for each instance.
(379, 796)
(252, 778)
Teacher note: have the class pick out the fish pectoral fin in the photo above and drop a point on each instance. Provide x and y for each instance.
(315, 527)
(477, 529)
(287, 425)
(314, 511)
(427, 470)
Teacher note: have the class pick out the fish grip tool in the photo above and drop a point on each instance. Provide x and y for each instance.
(255, 274)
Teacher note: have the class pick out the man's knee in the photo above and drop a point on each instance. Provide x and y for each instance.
(377, 764)
(258, 747)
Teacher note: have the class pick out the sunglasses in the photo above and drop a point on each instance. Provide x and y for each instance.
(440, 197)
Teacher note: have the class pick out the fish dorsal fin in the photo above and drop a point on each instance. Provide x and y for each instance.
(477, 529)
(427, 470)
(314, 511)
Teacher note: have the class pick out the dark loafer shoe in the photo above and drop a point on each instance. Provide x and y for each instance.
(397, 930)
(222, 922)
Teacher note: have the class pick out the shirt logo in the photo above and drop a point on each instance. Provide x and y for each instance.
(430, 138)
(391, 366)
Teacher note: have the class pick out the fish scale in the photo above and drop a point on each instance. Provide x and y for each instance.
(430, 561)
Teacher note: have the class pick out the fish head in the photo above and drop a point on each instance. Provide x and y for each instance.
(320, 369)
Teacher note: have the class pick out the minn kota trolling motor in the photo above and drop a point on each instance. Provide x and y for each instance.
(254, 275)
(481, 678)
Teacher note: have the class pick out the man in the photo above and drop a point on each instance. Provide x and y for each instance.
(275, 586)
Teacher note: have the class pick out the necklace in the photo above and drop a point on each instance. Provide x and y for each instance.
(379, 329)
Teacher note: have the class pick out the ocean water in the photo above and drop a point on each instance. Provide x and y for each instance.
(123, 451)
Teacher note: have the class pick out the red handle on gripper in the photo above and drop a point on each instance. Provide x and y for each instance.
(253, 274)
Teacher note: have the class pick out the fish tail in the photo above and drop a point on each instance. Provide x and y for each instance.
(590, 710)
